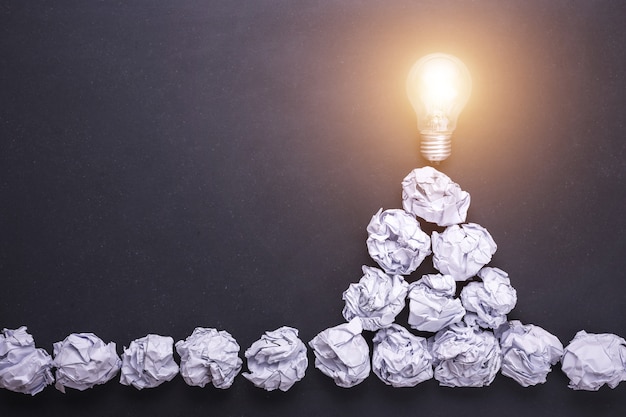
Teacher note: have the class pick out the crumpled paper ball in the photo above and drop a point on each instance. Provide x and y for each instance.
(465, 355)
(209, 355)
(432, 305)
(401, 359)
(461, 251)
(342, 354)
(528, 352)
(376, 299)
(491, 299)
(23, 367)
(396, 241)
(433, 196)
(148, 362)
(277, 360)
(83, 360)
(592, 360)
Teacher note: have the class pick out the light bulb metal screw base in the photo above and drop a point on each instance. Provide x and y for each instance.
(436, 146)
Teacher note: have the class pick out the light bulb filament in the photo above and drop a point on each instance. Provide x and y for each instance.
(437, 122)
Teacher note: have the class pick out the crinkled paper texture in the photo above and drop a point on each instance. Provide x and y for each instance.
(465, 356)
(209, 356)
(277, 360)
(23, 367)
(148, 362)
(342, 354)
(433, 196)
(401, 359)
(491, 299)
(461, 251)
(592, 360)
(376, 299)
(432, 305)
(83, 360)
(528, 353)
(396, 241)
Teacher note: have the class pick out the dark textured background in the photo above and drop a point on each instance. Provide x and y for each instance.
(167, 165)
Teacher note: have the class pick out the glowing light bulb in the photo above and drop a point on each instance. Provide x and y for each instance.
(438, 87)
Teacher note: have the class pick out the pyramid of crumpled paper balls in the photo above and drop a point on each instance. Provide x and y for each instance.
(471, 338)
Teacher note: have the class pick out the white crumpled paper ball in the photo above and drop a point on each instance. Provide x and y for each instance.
(528, 353)
(432, 305)
(401, 359)
(23, 367)
(461, 251)
(376, 299)
(277, 360)
(433, 196)
(465, 356)
(592, 360)
(396, 241)
(342, 354)
(491, 299)
(148, 362)
(83, 360)
(209, 356)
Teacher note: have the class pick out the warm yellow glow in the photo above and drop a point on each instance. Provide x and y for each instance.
(438, 78)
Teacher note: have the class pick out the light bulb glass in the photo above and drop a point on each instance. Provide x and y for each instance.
(438, 87)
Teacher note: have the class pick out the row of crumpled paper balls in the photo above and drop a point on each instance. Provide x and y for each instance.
(473, 338)
(82, 360)
(461, 355)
